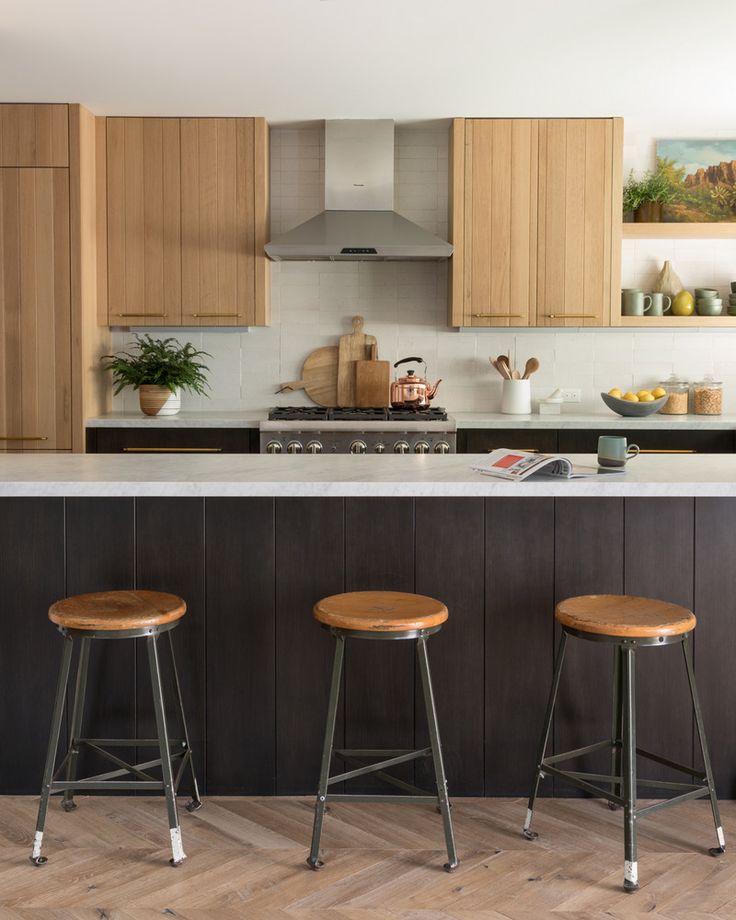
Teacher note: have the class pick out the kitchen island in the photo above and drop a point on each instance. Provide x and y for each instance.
(252, 541)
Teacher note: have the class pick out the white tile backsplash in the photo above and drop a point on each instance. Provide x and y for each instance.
(405, 304)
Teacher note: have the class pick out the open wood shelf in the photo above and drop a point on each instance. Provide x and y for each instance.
(675, 322)
(668, 231)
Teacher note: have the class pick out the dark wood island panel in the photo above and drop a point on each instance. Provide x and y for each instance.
(255, 667)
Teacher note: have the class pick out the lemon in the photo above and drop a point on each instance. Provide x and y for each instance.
(646, 397)
(659, 392)
(615, 392)
(683, 304)
(630, 397)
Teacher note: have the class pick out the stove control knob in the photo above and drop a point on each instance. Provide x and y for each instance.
(314, 447)
(401, 447)
(421, 447)
(379, 448)
(294, 447)
(273, 447)
(442, 447)
(358, 447)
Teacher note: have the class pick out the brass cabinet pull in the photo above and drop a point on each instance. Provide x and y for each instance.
(139, 314)
(208, 315)
(172, 450)
(22, 438)
(571, 315)
(499, 315)
(681, 450)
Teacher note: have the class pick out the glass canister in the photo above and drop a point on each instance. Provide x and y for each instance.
(677, 392)
(708, 396)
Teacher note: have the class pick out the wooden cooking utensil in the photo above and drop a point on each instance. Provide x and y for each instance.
(501, 368)
(319, 377)
(504, 362)
(352, 348)
(372, 382)
(532, 366)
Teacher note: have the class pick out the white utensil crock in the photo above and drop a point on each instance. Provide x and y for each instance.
(517, 397)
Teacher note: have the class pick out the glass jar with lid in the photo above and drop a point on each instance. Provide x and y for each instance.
(708, 396)
(677, 395)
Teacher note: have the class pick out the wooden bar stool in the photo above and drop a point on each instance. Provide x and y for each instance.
(116, 615)
(386, 615)
(628, 623)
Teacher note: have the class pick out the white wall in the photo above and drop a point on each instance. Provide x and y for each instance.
(404, 304)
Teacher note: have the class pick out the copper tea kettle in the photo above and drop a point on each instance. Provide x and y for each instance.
(410, 391)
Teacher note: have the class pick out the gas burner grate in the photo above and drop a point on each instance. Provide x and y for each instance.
(432, 414)
(299, 414)
(358, 415)
(323, 414)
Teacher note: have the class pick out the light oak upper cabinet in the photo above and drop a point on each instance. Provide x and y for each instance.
(495, 222)
(534, 219)
(187, 221)
(143, 221)
(579, 253)
(35, 314)
(34, 135)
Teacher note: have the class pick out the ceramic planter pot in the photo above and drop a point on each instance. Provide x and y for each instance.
(649, 213)
(157, 400)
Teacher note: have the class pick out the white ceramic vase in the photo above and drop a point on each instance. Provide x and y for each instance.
(156, 400)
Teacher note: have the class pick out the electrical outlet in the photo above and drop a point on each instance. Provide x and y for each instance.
(571, 396)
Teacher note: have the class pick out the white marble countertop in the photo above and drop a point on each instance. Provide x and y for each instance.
(606, 419)
(344, 475)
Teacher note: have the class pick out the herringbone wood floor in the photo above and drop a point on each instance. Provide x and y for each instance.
(108, 861)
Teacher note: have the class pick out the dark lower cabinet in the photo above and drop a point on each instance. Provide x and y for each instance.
(255, 667)
(483, 440)
(578, 441)
(172, 440)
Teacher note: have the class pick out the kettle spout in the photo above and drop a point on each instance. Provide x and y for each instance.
(432, 391)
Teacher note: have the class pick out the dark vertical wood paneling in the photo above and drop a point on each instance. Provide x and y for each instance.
(589, 535)
(659, 562)
(241, 683)
(100, 556)
(31, 579)
(379, 675)
(450, 567)
(519, 638)
(715, 643)
(170, 557)
(310, 564)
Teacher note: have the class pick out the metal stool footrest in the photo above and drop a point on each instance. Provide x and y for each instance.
(394, 758)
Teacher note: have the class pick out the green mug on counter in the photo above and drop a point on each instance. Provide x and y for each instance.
(613, 451)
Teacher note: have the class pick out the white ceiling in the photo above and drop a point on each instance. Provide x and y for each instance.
(406, 59)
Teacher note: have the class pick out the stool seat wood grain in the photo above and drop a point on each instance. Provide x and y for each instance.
(625, 616)
(117, 610)
(380, 611)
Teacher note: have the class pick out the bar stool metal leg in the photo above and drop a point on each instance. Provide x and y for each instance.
(196, 802)
(439, 766)
(527, 829)
(313, 859)
(75, 729)
(616, 724)
(54, 734)
(177, 849)
(687, 653)
(631, 869)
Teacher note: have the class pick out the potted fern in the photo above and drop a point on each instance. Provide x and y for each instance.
(159, 370)
(645, 197)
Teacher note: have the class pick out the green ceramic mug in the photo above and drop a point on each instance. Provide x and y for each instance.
(635, 303)
(613, 451)
(659, 307)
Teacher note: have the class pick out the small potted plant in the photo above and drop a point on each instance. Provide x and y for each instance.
(160, 370)
(644, 198)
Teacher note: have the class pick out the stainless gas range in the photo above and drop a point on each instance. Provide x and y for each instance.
(314, 430)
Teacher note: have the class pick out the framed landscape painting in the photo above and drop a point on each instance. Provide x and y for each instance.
(702, 176)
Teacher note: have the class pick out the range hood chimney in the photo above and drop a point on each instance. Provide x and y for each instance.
(359, 222)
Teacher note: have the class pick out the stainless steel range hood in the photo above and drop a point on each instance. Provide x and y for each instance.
(358, 223)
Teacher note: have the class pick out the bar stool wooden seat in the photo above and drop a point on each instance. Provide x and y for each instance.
(117, 615)
(382, 615)
(629, 623)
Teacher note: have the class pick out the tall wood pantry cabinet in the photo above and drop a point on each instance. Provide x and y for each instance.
(535, 210)
(187, 220)
(49, 340)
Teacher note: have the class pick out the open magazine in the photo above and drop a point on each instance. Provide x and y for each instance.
(518, 465)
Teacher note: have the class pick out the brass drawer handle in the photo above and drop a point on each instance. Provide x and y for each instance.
(681, 450)
(139, 314)
(172, 450)
(500, 315)
(208, 315)
(571, 315)
(21, 438)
